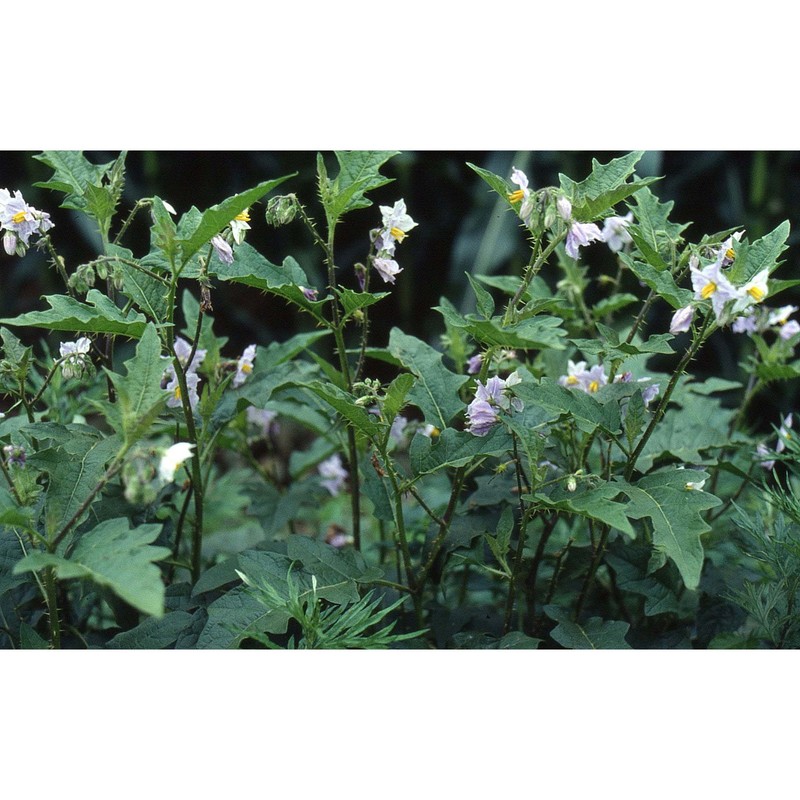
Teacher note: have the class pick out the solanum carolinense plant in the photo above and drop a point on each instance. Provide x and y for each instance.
(534, 477)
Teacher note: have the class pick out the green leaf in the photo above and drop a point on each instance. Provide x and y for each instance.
(436, 390)
(140, 397)
(635, 416)
(73, 176)
(592, 502)
(149, 294)
(610, 305)
(344, 403)
(676, 516)
(74, 468)
(338, 572)
(483, 299)
(114, 556)
(252, 269)
(587, 412)
(455, 448)
(395, 397)
(97, 315)
(214, 219)
(530, 333)
(760, 255)
(594, 634)
(354, 301)
(655, 236)
(154, 633)
(605, 187)
(359, 173)
(29, 639)
(495, 181)
(661, 282)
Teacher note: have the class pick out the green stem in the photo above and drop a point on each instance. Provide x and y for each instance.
(134, 211)
(523, 527)
(52, 608)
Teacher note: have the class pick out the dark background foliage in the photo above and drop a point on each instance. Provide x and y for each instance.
(461, 228)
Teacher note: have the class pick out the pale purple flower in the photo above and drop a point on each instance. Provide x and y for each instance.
(24, 220)
(762, 450)
(474, 364)
(726, 253)
(10, 242)
(564, 208)
(580, 233)
(747, 323)
(244, 366)
(339, 540)
(76, 354)
(574, 374)
(681, 320)
(431, 431)
(15, 455)
(397, 430)
(781, 315)
(650, 393)
(387, 268)
(481, 416)
(223, 250)
(262, 419)
(310, 294)
(333, 473)
(174, 388)
(593, 379)
(615, 234)
(791, 328)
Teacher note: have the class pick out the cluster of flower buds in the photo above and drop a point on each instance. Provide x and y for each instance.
(396, 224)
(19, 221)
(499, 359)
(281, 210)
(14, 455)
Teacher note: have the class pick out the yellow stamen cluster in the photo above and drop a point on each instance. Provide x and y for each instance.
(246, 368)
(708, 290)
(243, 217)
(572, 380)
(18, 217)
(729, 254)
(516, 197)
(757, 293)
(397, 234)
(177, 393)
(594, 386)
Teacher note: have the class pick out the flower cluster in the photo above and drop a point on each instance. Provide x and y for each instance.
(591, 380)
(783, 436)
(169, 380)
(496, 395)
(396, 224)
(20, 221)
(764, 319)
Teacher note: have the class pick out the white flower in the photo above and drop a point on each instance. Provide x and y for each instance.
(709, 282)
(745, 324)
(396, 222)
(239, 224)
(75, 353)
(781, 315)
(244, 366)
(615, 234)
(222, 249)
(681, 320)
(24, 220)
(694, 486)
(755, 290)
(174, 388)
(183, 350)
(564, 208)
(173, 457)
(574, 374)
(580, 233)
(387, 268)
(169, 207)
(333, 473)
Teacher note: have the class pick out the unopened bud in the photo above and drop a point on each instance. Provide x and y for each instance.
(572, 483)
(281, 210)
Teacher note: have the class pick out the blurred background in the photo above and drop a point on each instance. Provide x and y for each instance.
(462, 228)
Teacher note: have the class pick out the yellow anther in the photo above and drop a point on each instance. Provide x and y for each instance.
(177, 392)
(730, 254)
(398, 234)
(572, 380)
(594, 386)
(515, 197)
(248, 368)
(757, 293)
(243, 217)
(18, 217)
(708, 290)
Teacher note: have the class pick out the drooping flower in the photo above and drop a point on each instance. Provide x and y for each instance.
(310, 294)
(495, 394)
(183, 350)
(474, 364)
(20, 221)
(681, 320)
(173, 457)
(244, 366)
(333, 473)
(223, 250)
(781, 315)
(783, 436)
(580, 233)
(387, 268)
(76, 355)
(397, 430)
(694, 486)
(746, 323)
(593, 379)
(615, 233)
(173, 386)
(481, 416)
(240, 224)
(523, 195)
(726, 254)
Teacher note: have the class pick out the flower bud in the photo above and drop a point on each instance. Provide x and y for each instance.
(281, 210)
(10, 242)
